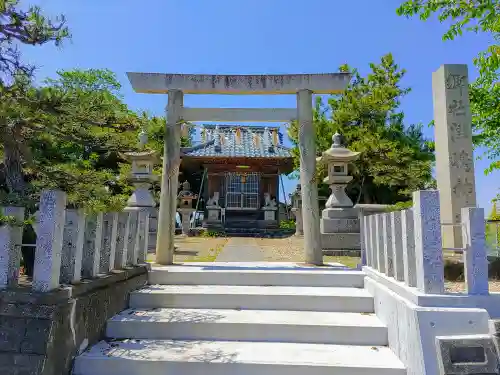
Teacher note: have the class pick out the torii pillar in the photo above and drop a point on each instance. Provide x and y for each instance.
(301, 85)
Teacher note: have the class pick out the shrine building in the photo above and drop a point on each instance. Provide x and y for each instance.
(241, 168)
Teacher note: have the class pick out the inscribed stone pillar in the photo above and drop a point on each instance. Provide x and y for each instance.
(10, 248)
(73, 241)
(170, 176)
(92, 245)
(309, 190)
(122, 239)
(454, 156)
(49, 240)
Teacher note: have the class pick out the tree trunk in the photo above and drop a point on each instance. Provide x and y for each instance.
(14, 176)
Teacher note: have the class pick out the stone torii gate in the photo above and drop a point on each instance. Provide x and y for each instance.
(301, 85)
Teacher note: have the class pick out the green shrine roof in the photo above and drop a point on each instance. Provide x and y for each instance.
(239, 141)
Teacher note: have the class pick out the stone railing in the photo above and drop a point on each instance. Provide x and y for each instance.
(406, 246)
(72, 246)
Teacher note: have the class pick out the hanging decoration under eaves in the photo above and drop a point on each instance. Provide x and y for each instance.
(238, 136)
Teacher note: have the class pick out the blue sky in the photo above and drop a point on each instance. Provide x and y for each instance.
(257, 36)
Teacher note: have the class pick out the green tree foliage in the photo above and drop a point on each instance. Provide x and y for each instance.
(479, 16)
(493, 228)
(18, 26)
(395, 159)
(67, 134)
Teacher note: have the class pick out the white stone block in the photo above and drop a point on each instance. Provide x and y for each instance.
(49, 240)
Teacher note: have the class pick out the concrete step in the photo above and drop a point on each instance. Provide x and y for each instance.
(249, 325)
(158, 357)
(253, 297)
(280, 274)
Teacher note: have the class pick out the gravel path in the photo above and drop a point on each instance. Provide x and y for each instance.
(241, 249)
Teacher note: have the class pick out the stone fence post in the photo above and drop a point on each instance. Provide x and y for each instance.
(92, 246)
(72, 251)
(428, 242)
(475, 254)
(10, 248)
(49, 240)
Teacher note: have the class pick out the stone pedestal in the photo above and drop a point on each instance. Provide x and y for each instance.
(340, 229)
(299, 229)
(185, 203)
(186, 215)
(270, 213)
(213, 214)
(296, 199)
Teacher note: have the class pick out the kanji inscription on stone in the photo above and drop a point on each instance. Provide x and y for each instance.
(454, 152)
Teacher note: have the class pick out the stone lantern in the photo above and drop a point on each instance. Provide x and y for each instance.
(339, 220)
(297, 210)
(141, 202)
(142, 176)
(338, 158)
(185, 204)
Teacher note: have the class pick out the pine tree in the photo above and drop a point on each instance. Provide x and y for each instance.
(395, 158)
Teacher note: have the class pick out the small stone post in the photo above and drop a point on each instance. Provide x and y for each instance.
(454, 151)
(110, 232)
(475, 255)
(428, 242)
(10, 248)
(73, 241)
(297, 211)
(131, 244)
(122, 240)
(49, 240)
(92, 245)
(185, 204)
(170, 179)
(309, 188)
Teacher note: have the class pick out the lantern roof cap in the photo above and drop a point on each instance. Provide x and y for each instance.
(337, 152)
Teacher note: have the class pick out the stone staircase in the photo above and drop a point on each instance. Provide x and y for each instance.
(245, 319)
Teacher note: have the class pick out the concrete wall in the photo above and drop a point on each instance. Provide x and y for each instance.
(41, 333)
(413, 329)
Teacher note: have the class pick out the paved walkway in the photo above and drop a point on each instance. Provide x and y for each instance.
(241, 249)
